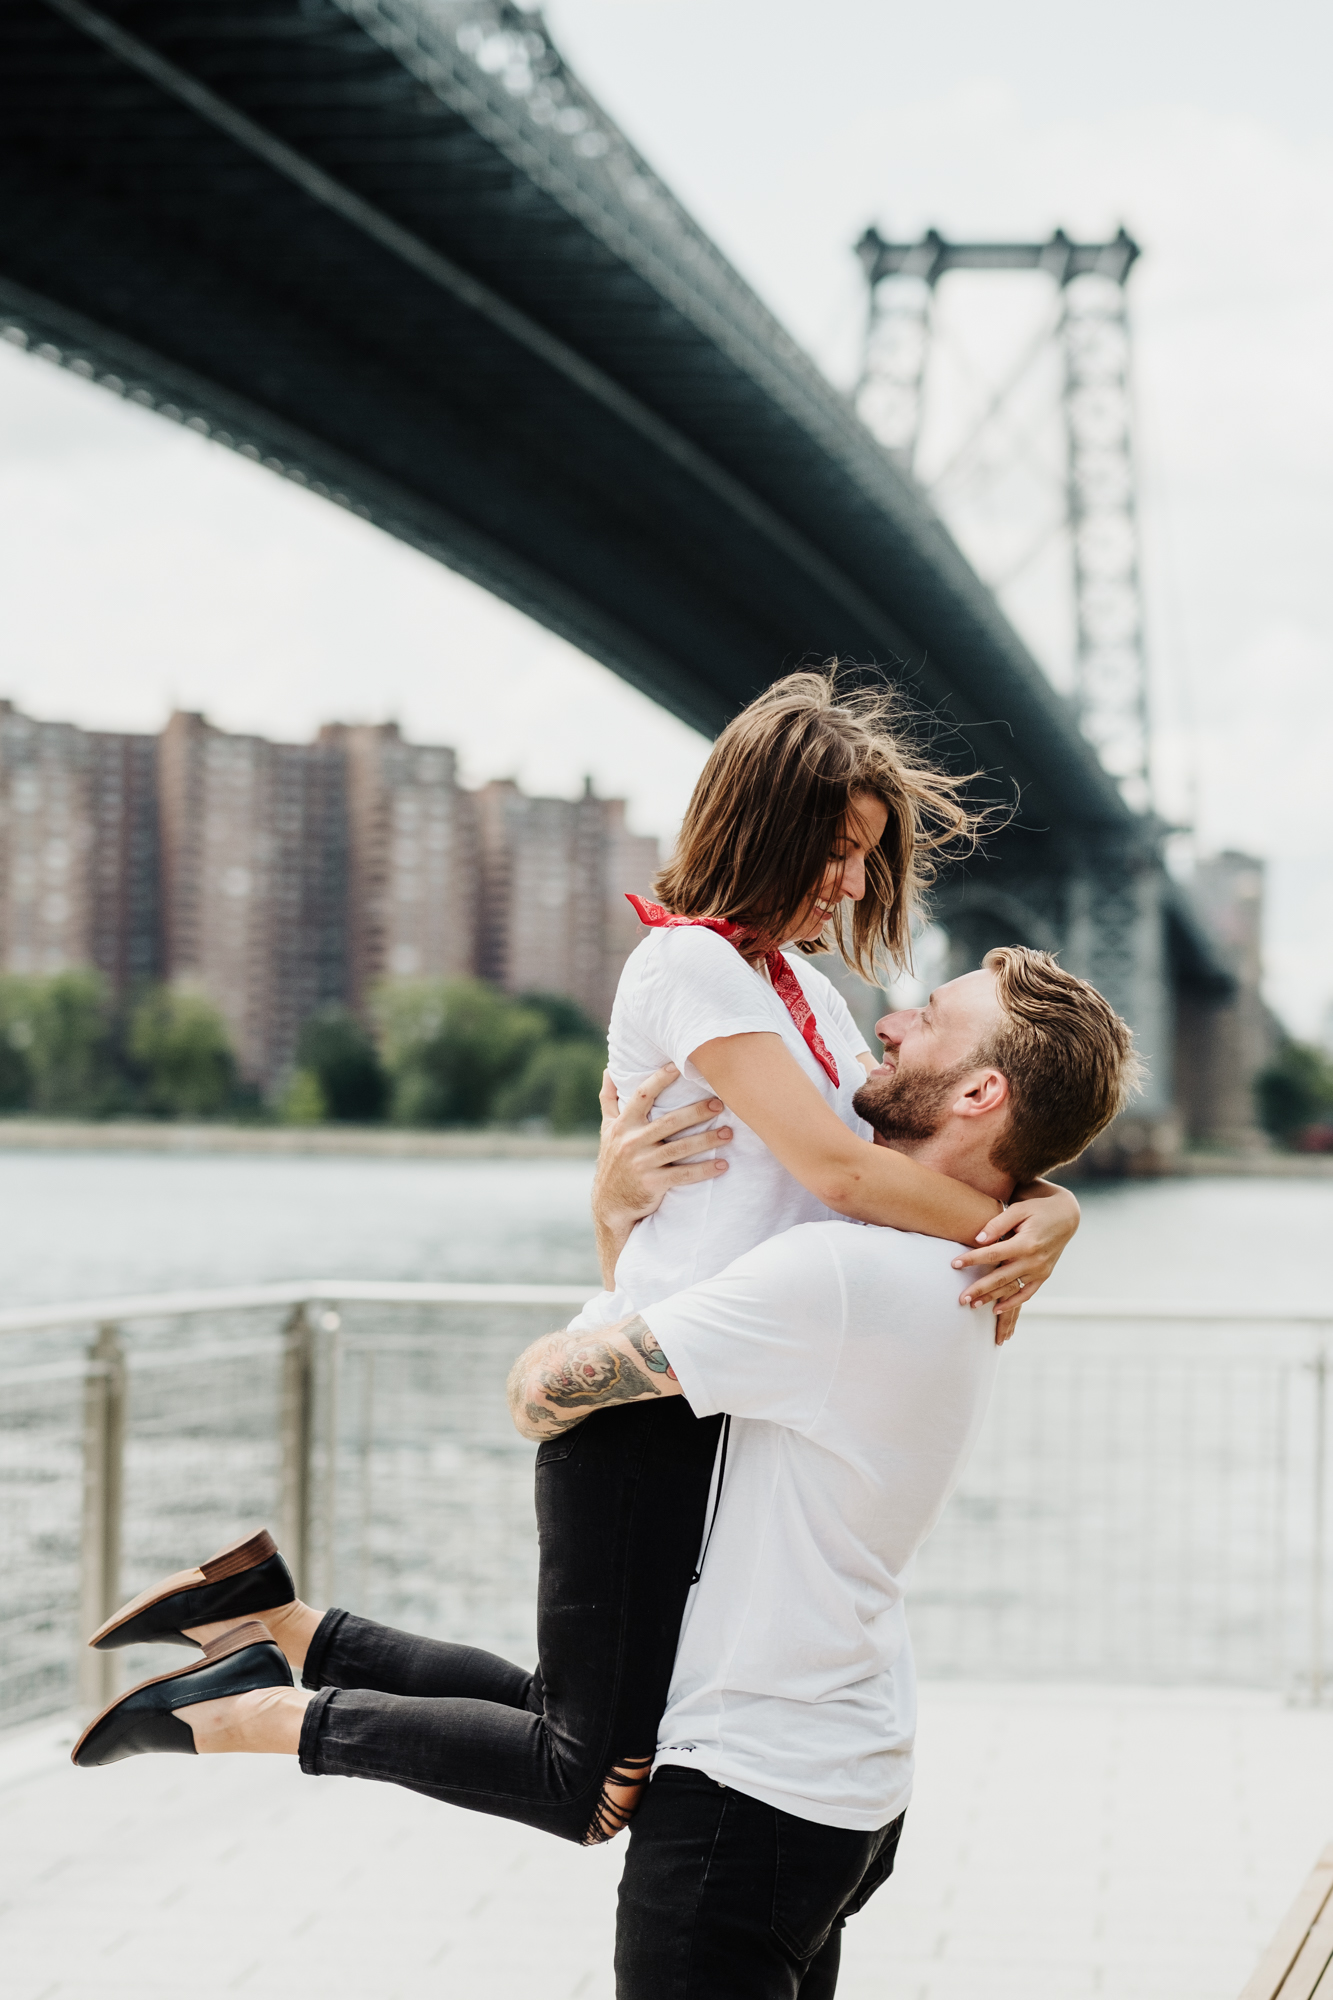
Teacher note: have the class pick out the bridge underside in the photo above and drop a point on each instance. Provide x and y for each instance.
(323, 233)
(257, 216)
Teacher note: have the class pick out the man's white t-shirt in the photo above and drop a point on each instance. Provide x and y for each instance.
(679, 989)
(857, 1385)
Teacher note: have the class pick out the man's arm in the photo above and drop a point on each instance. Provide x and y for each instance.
(563, 1378)
(640, 1159)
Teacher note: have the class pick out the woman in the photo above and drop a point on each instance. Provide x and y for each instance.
(810, 827)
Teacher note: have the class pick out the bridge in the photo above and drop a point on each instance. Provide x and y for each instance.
(395, 251)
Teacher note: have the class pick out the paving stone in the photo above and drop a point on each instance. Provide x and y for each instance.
(1117, 1843)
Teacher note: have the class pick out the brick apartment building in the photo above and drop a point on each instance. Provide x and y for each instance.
(78, 850)
(553, 875)
(254, 878)
(412, 860)
(278, 878)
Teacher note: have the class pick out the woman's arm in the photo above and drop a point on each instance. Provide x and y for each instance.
(759, 1080)
(1039, 1211)
(1053, 1226)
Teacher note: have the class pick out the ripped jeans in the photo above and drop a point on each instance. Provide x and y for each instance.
(621, 1504)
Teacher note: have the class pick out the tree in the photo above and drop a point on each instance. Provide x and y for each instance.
(1295, 1091)
(336, 1050)
(66, 1035)
(15, 1042)
(449, 1046)
(560, 1084)
(179, 1042)
(303, 1102)
(565, 1019)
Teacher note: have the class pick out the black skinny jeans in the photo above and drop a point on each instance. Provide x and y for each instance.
(724, 1896)
(621, 1501)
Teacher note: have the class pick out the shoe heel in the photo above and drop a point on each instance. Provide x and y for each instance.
(254, 1632)
(238, 1556)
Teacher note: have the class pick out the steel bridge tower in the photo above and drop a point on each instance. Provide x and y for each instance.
(1099, 497)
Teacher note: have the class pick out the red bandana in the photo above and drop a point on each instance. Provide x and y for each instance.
(785, 983)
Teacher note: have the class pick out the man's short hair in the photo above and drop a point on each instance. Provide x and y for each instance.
(1068, 1058)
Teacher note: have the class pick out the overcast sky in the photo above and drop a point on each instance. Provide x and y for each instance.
(141, 567)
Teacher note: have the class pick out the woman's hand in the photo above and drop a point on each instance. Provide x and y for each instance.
(1024, 1243)
(640, 1159)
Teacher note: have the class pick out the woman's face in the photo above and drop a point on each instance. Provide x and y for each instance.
(845, 876)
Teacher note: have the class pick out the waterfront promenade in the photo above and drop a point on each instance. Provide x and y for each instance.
(1127, 1844)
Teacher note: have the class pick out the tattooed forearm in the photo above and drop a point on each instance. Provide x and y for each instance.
(563, 1379)
(584, 1373)
(646, 1341)
(547, 1421)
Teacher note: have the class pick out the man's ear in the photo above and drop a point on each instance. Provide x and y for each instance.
(987, 1092)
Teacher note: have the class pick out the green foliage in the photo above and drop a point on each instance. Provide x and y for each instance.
(303, 1102)
(15, 1042)
(559, 1083)
(455, 1053)
(336, 1051)
(1295, 1091)
(59, 1035)
(179, 1043)
(449, 1046)
(565, 1019)
(464, 1054)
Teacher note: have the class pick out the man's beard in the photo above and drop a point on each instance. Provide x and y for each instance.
(909, 1105)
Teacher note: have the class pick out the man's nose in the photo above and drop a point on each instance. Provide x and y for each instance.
(891, 1028)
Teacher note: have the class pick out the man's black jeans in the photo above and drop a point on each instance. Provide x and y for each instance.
(723, 1898)
(620, 1512)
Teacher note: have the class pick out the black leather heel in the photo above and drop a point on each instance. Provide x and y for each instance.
(243, 1580)
(143, 1720)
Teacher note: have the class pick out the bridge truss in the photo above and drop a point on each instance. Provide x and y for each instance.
(1099, 507)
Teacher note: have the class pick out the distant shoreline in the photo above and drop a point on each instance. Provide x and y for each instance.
(143, 1135)
(146, 1135)
(1254, 1166)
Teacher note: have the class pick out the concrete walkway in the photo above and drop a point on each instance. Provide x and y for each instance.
(1127, 1844)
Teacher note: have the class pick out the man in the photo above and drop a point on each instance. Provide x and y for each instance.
(856, 1385)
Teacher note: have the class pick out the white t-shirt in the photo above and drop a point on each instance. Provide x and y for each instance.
(857, 1386)
(679, 989)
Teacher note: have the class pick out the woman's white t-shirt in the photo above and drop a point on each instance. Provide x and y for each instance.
(680, 988)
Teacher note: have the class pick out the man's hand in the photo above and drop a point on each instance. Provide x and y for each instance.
(642, 1159)
(562, 1379)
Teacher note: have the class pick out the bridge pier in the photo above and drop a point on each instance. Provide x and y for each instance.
(1223, 1042)
(1182, 968)
(1118, 938)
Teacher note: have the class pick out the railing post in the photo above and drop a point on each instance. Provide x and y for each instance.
(103, 1491)
(297, 1422)
(1317, 1536)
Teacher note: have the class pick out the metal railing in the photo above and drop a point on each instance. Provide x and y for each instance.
(1148, 1500)
(366, 1423)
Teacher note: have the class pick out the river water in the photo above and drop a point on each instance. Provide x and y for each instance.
(81, 1225)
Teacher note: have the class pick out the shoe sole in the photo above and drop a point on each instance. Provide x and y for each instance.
(251, 1633)
(233, 1560)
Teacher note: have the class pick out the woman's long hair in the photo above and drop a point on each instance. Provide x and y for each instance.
(773, 798)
